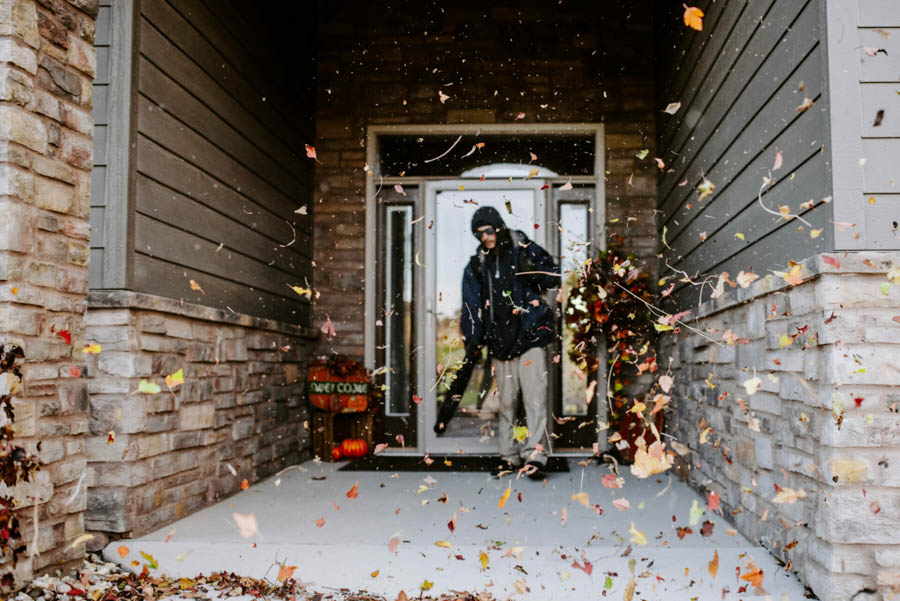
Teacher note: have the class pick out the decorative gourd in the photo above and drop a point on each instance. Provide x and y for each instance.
(335, 453)
(354, 447)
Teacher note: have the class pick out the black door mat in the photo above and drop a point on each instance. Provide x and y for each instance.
(457, 463)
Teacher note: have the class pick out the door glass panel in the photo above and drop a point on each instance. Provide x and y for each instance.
(398, 309)
(573, 253)
(454, 245)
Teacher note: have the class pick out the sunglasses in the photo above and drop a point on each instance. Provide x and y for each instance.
(489, 230)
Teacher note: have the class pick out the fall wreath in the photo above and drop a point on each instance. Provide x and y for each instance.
(607, 305)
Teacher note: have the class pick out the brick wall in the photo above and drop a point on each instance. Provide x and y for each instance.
(838, 331)
(240, 414)
(377, 67)
(47, 62)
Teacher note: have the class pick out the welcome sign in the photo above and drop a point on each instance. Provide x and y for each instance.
(338, 387)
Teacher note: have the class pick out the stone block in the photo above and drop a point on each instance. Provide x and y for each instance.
(178, 328)
(82, 55)
(884, 431)
(107, 510)
(18, 54)
(152, 445)
(20, 126)
(197, 417)
(77, 150)
(763, 450)
(20, 320)
(125, 364)
(119, 414)
(243, 428)
(844, 516)
(20, 18)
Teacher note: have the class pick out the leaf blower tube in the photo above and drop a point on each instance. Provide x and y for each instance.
(458, 386)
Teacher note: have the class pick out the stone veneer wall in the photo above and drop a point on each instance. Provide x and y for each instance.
(501, 58)
(241, 408)
(849, 348)
(47, 62)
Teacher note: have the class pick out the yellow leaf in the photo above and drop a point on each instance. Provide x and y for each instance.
(285, 572)
(705, 188)
(785, 340)
(148, 387)
(637, 537)
(503, 498)
(196, 286)
(374, 574)
(713, 566)
(307, 292)
(520, 433)
(582, 498)
(173, 380)
(815, 233)
(693, 17)
(653, 460)
(91, 349)
(443, 543)
(638, 408)
(789, 495)
(426, 585)
(185, 583)
(483, 559)
(739, 235)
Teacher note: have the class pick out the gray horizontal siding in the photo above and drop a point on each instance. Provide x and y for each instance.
(866, 156)
(220, 166)
(739, 89)
(100, 113)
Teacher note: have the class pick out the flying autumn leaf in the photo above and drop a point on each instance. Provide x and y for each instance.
(147, 387)
(653, 460)
(392, 544)
(328, 328)
(196, 286)
(354, 491)
(666, 382)
(637, 537)
(123, 551)
(173, 380)
(713, 566)
(778, 160)
(483, 560)
(610, 481)
(586, 566)
(66, 336)
(693, 17)
(712, 501)
(443, 97)
(285, 572)
(705, 188)
(91, 349)
(751, 385)
(246, 524)
(583, 498)
(789, 495)
(672, 108)
(311, 153)
(807, 102)
(504, 497)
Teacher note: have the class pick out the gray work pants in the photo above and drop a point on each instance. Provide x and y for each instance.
(528, 373)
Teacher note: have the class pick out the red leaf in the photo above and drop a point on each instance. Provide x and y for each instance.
(354, 491)
(712, 501)
(587, 567)
(832, 261)
(65, 335)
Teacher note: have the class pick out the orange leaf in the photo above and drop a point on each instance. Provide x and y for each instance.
(505, 496)
(713, 566)
(244, 484)
(285, 572)
(693, 17)
(320, 522)
(754, 577)
(123, 551)
(354, 491)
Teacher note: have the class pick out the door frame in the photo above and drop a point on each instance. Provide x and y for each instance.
(447, 444)
(374, 182)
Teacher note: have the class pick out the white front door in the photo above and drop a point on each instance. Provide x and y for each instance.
(448, 245)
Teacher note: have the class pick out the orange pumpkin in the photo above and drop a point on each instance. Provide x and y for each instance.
(354, 447)
(335, 453)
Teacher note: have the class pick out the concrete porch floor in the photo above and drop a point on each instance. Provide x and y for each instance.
(353, 542)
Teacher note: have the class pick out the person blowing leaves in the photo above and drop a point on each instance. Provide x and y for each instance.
(503, 309)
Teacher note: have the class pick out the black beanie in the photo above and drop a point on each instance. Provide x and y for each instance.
(487, 216)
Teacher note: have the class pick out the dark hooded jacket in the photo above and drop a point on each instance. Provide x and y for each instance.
(497, 309)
